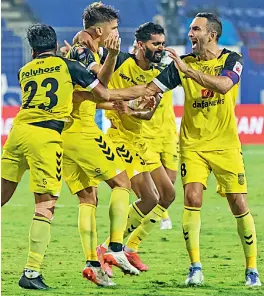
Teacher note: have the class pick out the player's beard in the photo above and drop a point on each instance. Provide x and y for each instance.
(152, 55)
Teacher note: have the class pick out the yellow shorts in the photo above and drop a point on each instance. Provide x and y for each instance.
(152, 158)
(162, 152)
(227, 166)
(38, 149)
(131, 153)
(88, 159)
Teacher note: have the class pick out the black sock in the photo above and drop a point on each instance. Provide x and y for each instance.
(116, 247)
(93, 263)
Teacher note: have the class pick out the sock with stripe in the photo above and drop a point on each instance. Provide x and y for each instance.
(39, 238)
(146, 226)
(191, 225)
(87, 230)
(247, 233)
(165, 215)
(135, 217)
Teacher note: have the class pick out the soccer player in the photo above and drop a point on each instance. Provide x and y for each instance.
(161, 136)
(35, 142)
(90, 157)
(143, 165)
(209, 139)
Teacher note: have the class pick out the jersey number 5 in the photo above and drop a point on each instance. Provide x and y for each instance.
(33, 86)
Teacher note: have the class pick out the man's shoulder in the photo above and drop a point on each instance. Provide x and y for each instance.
(189, 57)
(79, 51)
(227, 53)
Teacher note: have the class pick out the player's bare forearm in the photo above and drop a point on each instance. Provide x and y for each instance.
(219, 84)
(134, 92)
(107, 69)
(127, 94)
(147, 115)
(98, 95)
(144, 115)
(105, 106)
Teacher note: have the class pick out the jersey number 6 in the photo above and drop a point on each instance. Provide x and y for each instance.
(33, 86)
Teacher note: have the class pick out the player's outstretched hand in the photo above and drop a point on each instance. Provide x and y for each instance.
(179, 64)
(85, 39)
(65, 49)
(112, 44)
(122, 107)
(146, 103)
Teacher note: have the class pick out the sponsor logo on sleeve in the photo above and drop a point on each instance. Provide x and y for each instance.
(238, 68)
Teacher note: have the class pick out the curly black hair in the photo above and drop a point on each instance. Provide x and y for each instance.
(144, 31)
(42, 38)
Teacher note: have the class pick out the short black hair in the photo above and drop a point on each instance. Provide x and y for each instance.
(144, 31)
(42, 38)
(98, 12)
(214, 23)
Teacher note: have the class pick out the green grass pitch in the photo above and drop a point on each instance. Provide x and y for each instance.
(164, 251)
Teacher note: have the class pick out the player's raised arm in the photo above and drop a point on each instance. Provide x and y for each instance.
(112, 44)
(229, 76)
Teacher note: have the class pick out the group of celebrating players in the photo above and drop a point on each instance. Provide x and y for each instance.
(55, 136)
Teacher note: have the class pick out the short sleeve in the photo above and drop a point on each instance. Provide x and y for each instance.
(81, 76)
(233, 67)
(83, 55)
(168, 79)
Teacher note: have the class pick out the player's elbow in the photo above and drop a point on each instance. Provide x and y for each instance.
(225, 87)
(224, 90)
(101, 94)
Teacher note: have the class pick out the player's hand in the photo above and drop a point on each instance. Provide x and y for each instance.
(122, 107)
(147, 103)
(179, 64)
(65, 49)
(85, 39)
(112, 44)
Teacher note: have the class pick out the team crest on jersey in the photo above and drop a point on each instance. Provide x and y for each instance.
(204, 68)
(141, 78)
(81, 53)
(241, 178)
(238, 68)
(207, 93)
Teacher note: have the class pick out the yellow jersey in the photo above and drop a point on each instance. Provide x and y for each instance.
(127, 73)
(162, 124)
(47, 84)
(83, 112)
(209, 121)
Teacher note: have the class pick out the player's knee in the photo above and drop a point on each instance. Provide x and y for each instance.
(148, 195)
(7, 190)
(238, 203)
(45, 208)
(122, 181)
(192, 198)
(88, 196)
(167, 197)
